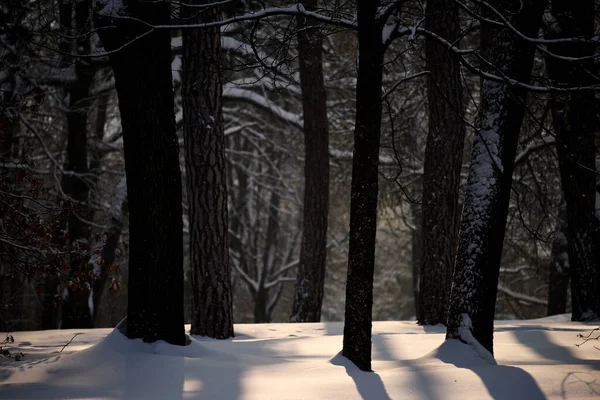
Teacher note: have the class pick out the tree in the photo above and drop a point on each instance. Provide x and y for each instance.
(575, 126)
(364, 190)
(75, 182)
(483, 220)
(310, 280)
(559, 268)
(141, 60)
(442, 165)
(202, 94)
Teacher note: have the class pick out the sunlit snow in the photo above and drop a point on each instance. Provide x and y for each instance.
(536, 359)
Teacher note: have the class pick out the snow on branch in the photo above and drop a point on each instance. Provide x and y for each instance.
(520, 296)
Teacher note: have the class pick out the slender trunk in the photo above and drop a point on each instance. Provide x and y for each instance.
(483, 222)
(118, 213)
(575, 127)
(202, 92)
(363, 204)
(417, 254)
(261, 301)
(443, 161)
(145, 90)
(75, 311)
(313, 248)
(559, 269)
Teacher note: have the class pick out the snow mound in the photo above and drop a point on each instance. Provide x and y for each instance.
(453, 351)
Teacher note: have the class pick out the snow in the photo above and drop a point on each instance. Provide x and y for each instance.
(111, 8)
(537, 359)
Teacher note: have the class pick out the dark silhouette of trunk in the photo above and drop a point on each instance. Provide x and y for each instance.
(262, 311)
(443, 161)
(559, 268)
(363, 204)
(483, 221)
(310, 280)
(575, 126)
(417, 254)
(144, 86)
(75, 184)
(118, 213)
(261, 302)
(202, 91)
(51, 310)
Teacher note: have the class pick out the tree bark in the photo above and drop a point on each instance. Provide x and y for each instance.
(443, 161)
(310, 280)
(144, 86)
(575, 127)
(202, 91)
(364, 187)
(483, 222)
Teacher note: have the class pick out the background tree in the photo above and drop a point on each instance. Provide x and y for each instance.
(310, 278)
(575, 126)
(442, 165)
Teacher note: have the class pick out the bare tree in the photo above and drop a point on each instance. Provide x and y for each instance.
(364, 191)
(202, 93)
(575, 125)
(483, 220)
(310, 279)
(443, 162)
(141, 60)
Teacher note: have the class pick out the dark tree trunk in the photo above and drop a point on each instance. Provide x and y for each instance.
(575, 127)
(363, 204)
(262, 295)
(261, 302)
(145, 90)
(202, 92)
(75, 184)
(416, 236)
(313, 248)
(118, 213)
(483, 222)
(443, 161)
(559, 269)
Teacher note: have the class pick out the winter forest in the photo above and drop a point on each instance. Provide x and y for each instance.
(413, 184)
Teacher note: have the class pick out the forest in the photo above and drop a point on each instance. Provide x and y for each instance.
(221, 162)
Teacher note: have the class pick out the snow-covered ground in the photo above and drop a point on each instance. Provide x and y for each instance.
(536, 359)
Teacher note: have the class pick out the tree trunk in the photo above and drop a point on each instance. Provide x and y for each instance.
(575, 127)
(75, 311)
(118, 213)
(363, 204)
(443, 161)
(559, 268)
(202, 91)
(483, 222)
(313, 248)
(261, 301)
(145, 90)
(416, 236)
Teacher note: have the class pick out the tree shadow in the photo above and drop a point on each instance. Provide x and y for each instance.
(539, 341)
(369, 384)
(501, 381)
(424, 383)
